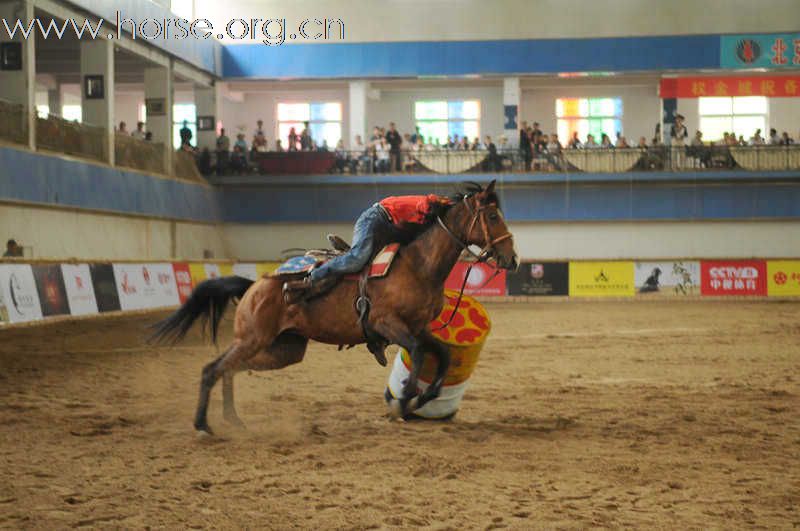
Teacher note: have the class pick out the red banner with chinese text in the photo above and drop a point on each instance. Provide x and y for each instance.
(699, 87)
(733, 277)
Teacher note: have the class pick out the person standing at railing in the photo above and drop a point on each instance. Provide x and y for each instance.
(139, 134)
(239, 156)
(774, 139)
(786, 140)
(306, 142)
(555, 151)
(493, 159)
(123, 128)
(525, 146)
(395, 141)
(185, 134)
(223, 146)
(13, 249)
(292, 145)
(757, 139)
(678, 135)
(575, 142)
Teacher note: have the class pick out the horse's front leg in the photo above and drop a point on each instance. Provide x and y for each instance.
(430, 345)
(398, 333)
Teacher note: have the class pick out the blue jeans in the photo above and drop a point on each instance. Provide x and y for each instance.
(372, 229)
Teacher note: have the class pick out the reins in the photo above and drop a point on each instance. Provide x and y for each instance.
(484, 256)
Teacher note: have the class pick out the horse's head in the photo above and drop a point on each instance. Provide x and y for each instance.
(487, 229)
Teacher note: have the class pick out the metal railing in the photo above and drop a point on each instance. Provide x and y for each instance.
(13, 122)
(596, 160)
(82, 140)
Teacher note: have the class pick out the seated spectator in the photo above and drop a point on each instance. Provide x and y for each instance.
(449, 143)
(642, 143)
(492, 162)
(757, 139)
(239, 155)
(123, 128)
(279, 146)
(742, 141)
(575, 142)
(590, 142)
(223, 152)
(464, 145)
(699, 150)
(139, 133)
(342, 157)
(476, 144)
(13, 249)
(786, 140)
(554, 149)
(376, 134)
(148, 137)
(416, 136)
(622, 142)
(774, 139)
(382, 158)
(323, 147)
(361, 159)
(605, 142)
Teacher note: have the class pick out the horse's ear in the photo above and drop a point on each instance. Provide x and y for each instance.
(490, 189)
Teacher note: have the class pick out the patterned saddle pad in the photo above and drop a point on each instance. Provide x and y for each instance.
(302, 264)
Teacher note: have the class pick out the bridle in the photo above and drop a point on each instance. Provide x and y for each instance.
(488, 251)
(478, 215)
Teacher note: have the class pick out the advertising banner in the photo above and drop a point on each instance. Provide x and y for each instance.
(183, 280)
(52, 293)
(143, 286)
(783, 278)
(197, 272)
(667, 278)
(19, 299)
(80, 292)
(480, 281)
(105, 287)
(246, 270)
(542, 278)
(601, 279)
(760, 50)
(727, 86)
(264, 268)
(733, 277)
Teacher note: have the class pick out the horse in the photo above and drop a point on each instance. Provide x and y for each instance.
(270, 334)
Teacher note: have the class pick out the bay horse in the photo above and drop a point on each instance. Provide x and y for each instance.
(270, 334)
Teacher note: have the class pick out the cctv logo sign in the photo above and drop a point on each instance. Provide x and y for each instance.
(739, 277)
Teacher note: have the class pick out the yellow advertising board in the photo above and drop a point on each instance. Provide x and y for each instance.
(266, 267)
(198, 273)
(783, 278)
(601, 279)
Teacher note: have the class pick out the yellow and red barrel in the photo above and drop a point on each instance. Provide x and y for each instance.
(464, 338)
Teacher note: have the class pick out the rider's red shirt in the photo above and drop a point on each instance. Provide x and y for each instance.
(410, 208)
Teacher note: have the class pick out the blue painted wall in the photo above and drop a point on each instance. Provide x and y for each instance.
(458, 58)
(55, 181)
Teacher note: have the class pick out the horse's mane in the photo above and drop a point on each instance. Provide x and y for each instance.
(468, 189)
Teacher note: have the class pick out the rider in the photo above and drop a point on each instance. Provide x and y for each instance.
(394, 219)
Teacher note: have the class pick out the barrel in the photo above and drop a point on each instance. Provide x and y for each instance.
(464, 338)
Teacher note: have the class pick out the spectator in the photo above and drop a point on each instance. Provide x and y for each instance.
(185, 134)
(278, 146)
(223, 152)
(382, 157)
(148, 137)
(376, 135)
(699, 150)
(464, 145)
(449, 144)
(324, 147)
(139, 134)
(361, 156)
(525, 146)
(292, 139)
(590, 142)
(605, 141)
(642, 143)
(492, 159)
(622, 142)
(394, 140)
(786, 140)
(741, 141)
(13, 250)
(416, 136)
(575, 142)
(259, 128)
(204, 162)
(306, 142)
(123, 128)
(774, 139)
(678, 132)
(555, 151)
(341, 156)
(239, 155)
(259, 142)
(757, 139)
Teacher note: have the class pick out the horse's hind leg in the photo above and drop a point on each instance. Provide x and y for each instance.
(430, 345)
(287, 349)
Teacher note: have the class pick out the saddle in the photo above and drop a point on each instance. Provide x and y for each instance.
(299, 267)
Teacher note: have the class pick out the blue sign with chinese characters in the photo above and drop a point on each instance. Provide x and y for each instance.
(760, 51)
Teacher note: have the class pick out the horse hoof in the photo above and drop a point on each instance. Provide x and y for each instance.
(236, 422)
(395, 409)
(204, 431)
(412, 405)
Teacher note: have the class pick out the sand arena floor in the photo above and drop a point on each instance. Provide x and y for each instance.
(661, 414)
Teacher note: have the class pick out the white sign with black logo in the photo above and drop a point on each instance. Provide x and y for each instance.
(80, 291)
(668, 278)
(18, 293)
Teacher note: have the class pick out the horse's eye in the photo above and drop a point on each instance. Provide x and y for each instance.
(493, 216)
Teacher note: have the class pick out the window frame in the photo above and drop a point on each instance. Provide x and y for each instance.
(285, 139)
(448, 120)
(619, 118)
(732, 118)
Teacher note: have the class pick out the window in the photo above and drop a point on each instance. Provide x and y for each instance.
(183, 112)
(42, 111)
(587, 116)
(72, 113)
(439, 119)
(324, 121)
(742, 116)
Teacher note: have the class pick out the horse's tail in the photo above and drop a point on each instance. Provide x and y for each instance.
(207, 302)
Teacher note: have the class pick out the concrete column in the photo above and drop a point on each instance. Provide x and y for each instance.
(205, 101)
(358, 112)
(511, 108)
(97, 68)
(158, 97)
(19, 85)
